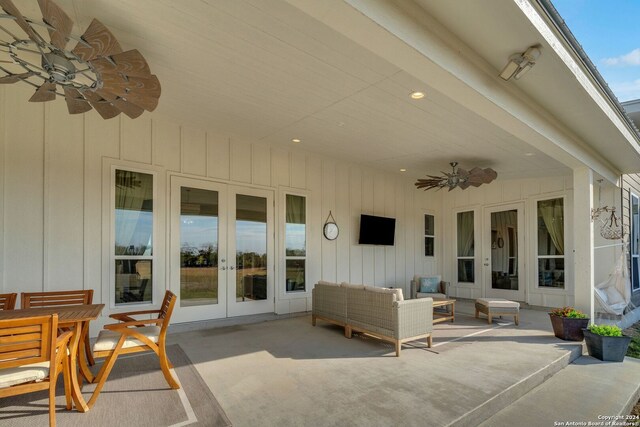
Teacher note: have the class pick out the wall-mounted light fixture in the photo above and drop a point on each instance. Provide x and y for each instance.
(520, 63)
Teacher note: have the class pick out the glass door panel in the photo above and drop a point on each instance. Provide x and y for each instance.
(198, 247)
(251, 246)
(502, 248)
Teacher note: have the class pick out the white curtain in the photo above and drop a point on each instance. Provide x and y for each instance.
(465, 242)
(552, 213)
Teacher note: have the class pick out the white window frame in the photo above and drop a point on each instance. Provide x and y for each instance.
(539, 257)
(282, 258)
(109, 167)
(431, 236)
(634, 230)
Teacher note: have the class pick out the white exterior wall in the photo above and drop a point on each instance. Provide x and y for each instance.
(55, 201)
(509, 192)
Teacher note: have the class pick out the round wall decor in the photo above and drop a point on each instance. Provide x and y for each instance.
(330, 229)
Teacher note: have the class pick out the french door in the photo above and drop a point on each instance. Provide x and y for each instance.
(221, 249)
(503, 252)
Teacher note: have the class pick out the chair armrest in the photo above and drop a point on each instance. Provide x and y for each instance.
(63, 339)
(132, 313)
(125, 325)
(413, 317)
(62, 348)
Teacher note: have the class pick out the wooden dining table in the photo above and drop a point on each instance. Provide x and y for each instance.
(76, 317)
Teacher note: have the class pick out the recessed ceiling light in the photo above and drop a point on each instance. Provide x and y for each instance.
(529, 154)
(417, 95)
(403, 170)
(296, 140)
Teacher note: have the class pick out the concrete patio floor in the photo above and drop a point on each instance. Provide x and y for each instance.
(288, 373)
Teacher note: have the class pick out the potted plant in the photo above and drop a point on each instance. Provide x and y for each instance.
(606, 342)
(568, 323)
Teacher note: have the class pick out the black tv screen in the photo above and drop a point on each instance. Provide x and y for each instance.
(377, 230)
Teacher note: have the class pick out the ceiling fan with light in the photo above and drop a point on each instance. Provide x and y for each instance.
(458, 178)
(95, 73)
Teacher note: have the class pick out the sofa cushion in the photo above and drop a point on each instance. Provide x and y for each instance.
(429, 284)
(497, 303)
(435, 295)
(397, 292)
(24, 374)
(351, 286)
(322, 282)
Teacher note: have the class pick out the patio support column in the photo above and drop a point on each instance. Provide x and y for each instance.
(583, 240)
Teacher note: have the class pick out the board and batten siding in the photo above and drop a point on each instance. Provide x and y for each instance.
(52, 199)
(508, 192)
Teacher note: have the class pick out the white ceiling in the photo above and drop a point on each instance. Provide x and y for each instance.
(262, 70)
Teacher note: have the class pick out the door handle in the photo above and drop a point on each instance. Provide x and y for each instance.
(223, 268)
(486, 265)
(231, 268)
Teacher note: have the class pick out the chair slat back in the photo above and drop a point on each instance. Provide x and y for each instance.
(8, 301)
(166, 309)
(58, 298)
(27, 340)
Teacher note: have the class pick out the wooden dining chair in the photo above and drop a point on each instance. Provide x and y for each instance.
(8, 301)
(61, 298)
(32, 355)
(133, 336)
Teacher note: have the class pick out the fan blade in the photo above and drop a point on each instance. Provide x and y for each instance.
(121, 86)
(129, 63)
(76, 104)
(101, 105)
(128, 108)
(141, 92)
(59, 20)
(15, 77)
(12, 10)
(102, 42)
(46, 92)
(463, 185)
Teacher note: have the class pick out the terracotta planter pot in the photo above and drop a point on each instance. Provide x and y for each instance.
(608, 349)
(567, 328)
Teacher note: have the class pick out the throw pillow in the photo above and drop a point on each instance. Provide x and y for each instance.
(429, 285)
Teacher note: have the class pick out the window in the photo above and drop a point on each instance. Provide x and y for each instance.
(551, 243)
(465, 253)
(635, 243)
(295, 242)
(133, 232)
(429, 232)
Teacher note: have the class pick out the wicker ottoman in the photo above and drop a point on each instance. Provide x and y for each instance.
(498, 307)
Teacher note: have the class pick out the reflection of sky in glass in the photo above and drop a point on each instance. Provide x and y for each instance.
(251, 237)
(134, 228)
(197, 231)
(295, 238)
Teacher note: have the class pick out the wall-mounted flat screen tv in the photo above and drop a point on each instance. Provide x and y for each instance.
(377, 230)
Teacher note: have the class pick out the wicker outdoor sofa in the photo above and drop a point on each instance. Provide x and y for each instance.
(378, 312)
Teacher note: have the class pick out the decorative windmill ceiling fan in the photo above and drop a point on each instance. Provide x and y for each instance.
(95, 73)
(458, 178)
